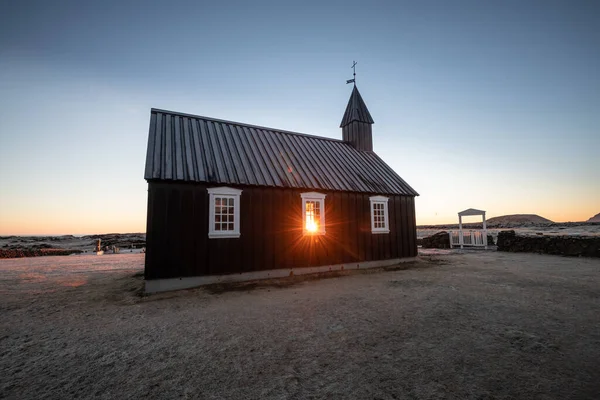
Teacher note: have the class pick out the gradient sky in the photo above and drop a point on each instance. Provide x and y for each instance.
(486, 104)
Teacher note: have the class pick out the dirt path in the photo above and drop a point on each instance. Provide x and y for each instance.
(476, 325)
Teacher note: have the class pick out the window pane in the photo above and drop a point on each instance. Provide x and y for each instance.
(230, 210)
(217, 226)
(230, 226)
(311, 218)
(217, 218)
(230, 218)
(231, 202)
(378, 214)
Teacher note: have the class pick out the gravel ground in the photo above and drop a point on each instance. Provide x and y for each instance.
(472, 325)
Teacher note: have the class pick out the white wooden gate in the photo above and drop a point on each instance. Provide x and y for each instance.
(475, 238)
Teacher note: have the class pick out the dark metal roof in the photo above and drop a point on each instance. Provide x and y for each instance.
(356, 110)
(191, 148)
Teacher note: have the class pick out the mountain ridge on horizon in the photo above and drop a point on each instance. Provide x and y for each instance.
(513, 220)
(595, 218)
(519, 219)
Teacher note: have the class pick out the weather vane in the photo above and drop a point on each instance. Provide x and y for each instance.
(354, 74)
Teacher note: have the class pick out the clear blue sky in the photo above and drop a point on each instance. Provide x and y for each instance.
(486, 104)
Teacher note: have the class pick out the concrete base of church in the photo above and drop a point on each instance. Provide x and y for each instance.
(163, 285)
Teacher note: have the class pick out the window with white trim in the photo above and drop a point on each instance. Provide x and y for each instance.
(313, 213)
(379, 214)
(224, 212)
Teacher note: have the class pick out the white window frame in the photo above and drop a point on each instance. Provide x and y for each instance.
(317, 197)
(228, 193)
(380, 200)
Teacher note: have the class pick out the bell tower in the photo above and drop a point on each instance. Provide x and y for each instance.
(356, 123)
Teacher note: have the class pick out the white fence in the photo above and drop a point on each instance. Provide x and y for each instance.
(470, 238)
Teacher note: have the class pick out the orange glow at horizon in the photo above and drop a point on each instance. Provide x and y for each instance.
(96, 212)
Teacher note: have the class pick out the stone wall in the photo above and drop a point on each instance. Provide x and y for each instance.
(19, 253)
(587, 246)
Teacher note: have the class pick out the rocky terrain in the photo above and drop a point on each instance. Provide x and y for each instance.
(523, 224)
(35, 246)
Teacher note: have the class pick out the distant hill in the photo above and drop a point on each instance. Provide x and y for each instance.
(518, 219)
(595, 218)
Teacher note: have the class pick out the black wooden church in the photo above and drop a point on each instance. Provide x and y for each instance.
(233, 201)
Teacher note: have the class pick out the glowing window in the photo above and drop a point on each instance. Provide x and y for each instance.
(224, 213)
(379, 214)
(313, 213)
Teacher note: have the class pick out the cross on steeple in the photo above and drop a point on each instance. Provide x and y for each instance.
(354, 74)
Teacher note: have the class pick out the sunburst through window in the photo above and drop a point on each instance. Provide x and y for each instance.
(313, 217)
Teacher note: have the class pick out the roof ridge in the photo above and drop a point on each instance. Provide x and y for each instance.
(245, 124)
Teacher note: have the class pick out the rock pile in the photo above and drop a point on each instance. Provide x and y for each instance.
(587, 246)
(440, 240)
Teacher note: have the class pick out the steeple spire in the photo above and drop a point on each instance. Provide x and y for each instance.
(356, 110)
(356, 122)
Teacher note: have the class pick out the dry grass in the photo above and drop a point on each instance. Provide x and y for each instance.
(477, 325)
